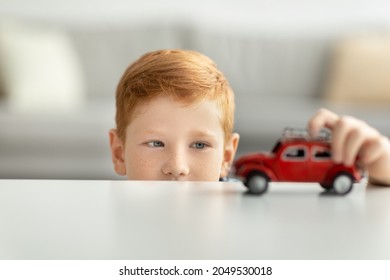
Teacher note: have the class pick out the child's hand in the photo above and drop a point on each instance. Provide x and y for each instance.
(353, 138)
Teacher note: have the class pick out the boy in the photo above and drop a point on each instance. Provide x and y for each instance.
(175, 116)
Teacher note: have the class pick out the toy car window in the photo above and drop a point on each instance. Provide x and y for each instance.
(321, 154)
(294, 153)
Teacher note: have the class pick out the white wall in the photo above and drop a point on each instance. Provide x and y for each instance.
(274, 13)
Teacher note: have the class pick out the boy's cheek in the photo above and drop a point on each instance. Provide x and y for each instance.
(140, 167)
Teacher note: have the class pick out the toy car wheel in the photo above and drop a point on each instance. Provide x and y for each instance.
(257, 182)
(342, 183)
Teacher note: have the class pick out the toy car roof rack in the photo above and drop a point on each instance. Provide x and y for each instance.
(303, 134)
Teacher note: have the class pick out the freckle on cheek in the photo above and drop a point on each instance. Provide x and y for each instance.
(141, 167)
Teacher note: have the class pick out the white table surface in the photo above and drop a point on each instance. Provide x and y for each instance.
(56, 219)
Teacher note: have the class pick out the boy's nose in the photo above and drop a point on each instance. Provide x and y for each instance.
(176, 166)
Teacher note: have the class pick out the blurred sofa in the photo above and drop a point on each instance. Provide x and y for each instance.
(279, 75)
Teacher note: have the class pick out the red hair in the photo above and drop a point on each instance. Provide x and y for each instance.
(187, 76)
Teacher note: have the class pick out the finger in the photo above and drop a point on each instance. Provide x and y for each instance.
(374, 149)
(341, 130)
(322, 119)
(353, 145)
(377, 161)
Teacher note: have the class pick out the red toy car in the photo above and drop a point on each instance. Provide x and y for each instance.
(297, 157)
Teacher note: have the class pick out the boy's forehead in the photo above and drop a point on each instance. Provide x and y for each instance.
(166, 109)
(162, 105)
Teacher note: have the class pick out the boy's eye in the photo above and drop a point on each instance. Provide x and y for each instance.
(199, 145)
(155, 144)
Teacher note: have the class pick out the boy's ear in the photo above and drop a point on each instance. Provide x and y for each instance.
(229, 153)
(117, 153)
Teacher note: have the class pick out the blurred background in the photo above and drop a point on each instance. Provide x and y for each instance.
(60, 62)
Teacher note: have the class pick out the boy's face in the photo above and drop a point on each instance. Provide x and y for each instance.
(169, 141)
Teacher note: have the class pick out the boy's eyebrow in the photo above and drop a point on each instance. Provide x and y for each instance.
(202, 133)
(152, 131)
(196, 133)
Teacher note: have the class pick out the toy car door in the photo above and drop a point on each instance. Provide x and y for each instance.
(292, 164)
(321, 163)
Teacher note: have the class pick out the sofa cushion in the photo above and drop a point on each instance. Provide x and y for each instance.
(39, 68)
